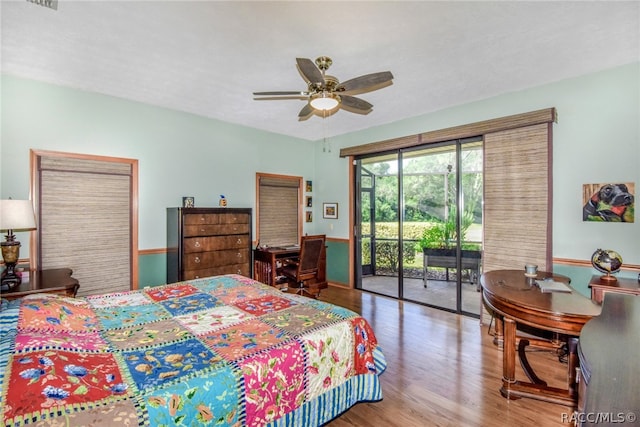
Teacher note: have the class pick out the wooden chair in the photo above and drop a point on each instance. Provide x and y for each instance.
(303, 275)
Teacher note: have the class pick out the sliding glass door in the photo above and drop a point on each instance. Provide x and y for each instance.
(424, 222)
(368, 203)
(377, 224)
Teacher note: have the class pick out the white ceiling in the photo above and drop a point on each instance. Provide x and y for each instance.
(207, 57)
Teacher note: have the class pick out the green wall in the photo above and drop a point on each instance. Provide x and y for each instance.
(338, 262)
(596, 140)
(179, 154)
(152, 270)
(182, 154)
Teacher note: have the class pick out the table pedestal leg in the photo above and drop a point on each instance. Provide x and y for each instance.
(508, 358)
(498, 338)
(572, 362)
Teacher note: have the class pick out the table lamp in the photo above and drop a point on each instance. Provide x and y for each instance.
(14, 215)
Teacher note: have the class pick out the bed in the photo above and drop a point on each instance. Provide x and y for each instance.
(223, 351)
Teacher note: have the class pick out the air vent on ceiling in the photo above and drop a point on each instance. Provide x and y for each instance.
(51, 4)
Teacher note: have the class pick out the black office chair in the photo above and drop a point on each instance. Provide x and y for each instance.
(301, 274)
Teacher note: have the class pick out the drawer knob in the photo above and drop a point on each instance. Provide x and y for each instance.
(239, 240)
(197, 244)
(197, 260)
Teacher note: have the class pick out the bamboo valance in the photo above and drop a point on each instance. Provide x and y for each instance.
(546, 115)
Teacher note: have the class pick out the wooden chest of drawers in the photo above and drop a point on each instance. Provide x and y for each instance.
(622, 285)
(204, 242)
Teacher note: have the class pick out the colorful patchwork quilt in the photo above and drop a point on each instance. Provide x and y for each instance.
(223, 351)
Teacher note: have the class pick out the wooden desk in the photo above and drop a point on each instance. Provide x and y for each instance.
(52, 281)
(268, 261)
(516, 300)
(622, 286)
(609, 364)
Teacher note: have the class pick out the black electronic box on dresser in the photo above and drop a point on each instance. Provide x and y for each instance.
(203, 242)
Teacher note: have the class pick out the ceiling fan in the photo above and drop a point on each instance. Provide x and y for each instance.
(325, 94)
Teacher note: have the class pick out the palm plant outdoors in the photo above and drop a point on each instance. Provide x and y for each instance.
(442, 234)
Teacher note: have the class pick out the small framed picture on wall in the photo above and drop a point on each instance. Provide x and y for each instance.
(330, 210)
(309, 202)
(309, 216)
(309, 187)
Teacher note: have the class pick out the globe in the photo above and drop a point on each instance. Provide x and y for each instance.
(606, 261)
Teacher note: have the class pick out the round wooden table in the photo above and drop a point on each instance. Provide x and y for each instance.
(516, 299)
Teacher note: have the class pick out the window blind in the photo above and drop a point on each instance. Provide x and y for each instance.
(278, 210)
(86, 221)
(517, 199)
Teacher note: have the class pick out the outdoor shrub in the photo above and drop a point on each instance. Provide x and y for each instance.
(387, 254)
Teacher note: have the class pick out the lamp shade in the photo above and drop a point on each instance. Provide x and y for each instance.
(17, 215)
(324, 101)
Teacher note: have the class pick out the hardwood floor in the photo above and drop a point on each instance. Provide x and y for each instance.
(443, 370)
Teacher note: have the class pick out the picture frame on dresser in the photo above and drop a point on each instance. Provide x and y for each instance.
(188, 202)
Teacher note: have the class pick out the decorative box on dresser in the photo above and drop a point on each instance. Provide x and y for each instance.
(203, 242)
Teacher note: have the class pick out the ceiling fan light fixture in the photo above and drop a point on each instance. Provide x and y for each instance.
(324, 101)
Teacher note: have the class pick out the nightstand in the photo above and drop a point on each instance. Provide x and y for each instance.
(52, 281)
(622, 286)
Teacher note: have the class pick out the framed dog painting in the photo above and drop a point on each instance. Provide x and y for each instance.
(608, 202)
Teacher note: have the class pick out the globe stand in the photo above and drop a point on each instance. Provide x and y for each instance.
(606, 261)
(608, 279)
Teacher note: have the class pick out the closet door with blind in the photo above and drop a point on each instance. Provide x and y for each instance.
(87, 219)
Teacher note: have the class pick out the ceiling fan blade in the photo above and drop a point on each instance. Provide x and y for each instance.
(284, 93)
(355, 105)
(281, 98)
(310, 72)
(366, 83)
(306, 112)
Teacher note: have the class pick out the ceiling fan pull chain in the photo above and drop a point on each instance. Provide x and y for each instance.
(326, 148)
